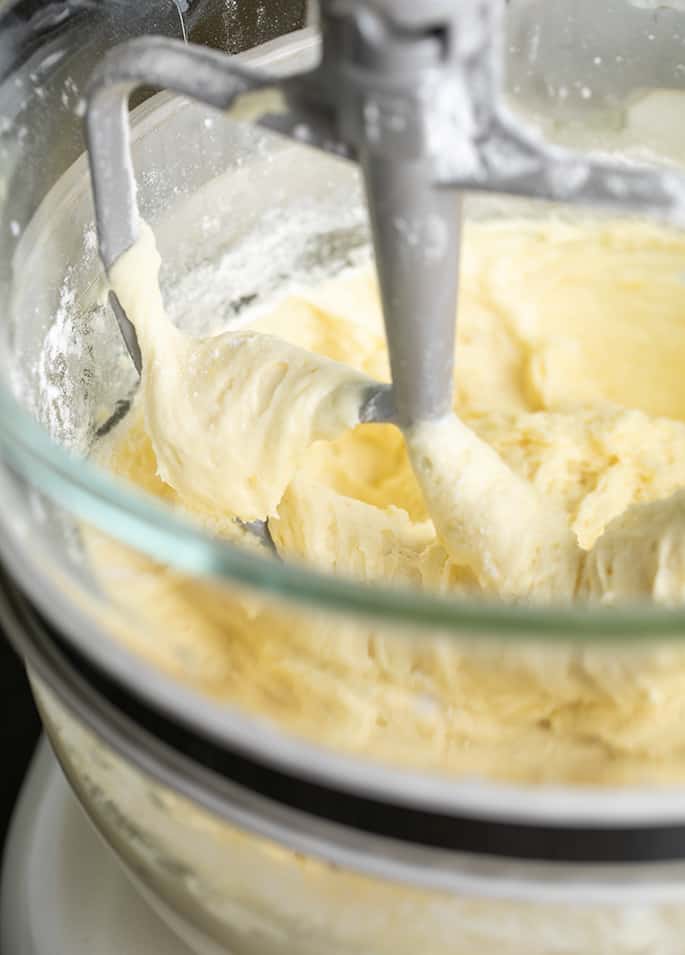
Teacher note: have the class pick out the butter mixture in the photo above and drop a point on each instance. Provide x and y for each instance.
(557, 477)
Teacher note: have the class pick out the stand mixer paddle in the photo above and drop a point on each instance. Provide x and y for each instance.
(412, 93)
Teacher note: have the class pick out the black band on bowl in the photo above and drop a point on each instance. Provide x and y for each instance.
(353, 810)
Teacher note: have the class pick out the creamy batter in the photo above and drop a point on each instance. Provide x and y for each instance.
(568, 405)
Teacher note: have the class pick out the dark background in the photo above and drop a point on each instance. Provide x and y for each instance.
(19, 728)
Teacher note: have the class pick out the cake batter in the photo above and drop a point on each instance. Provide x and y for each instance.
(556, 479)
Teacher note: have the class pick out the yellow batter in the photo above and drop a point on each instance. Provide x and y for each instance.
(569, 394)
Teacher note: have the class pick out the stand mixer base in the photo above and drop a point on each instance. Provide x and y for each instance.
(63, 892)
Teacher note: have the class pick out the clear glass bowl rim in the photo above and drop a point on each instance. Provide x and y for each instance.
(145, 523)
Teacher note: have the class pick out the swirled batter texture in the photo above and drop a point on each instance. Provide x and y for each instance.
(557, 479)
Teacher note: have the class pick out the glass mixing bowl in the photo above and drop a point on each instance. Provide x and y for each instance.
(254, 823)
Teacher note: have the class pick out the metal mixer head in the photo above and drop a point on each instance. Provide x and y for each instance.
(413, 93)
